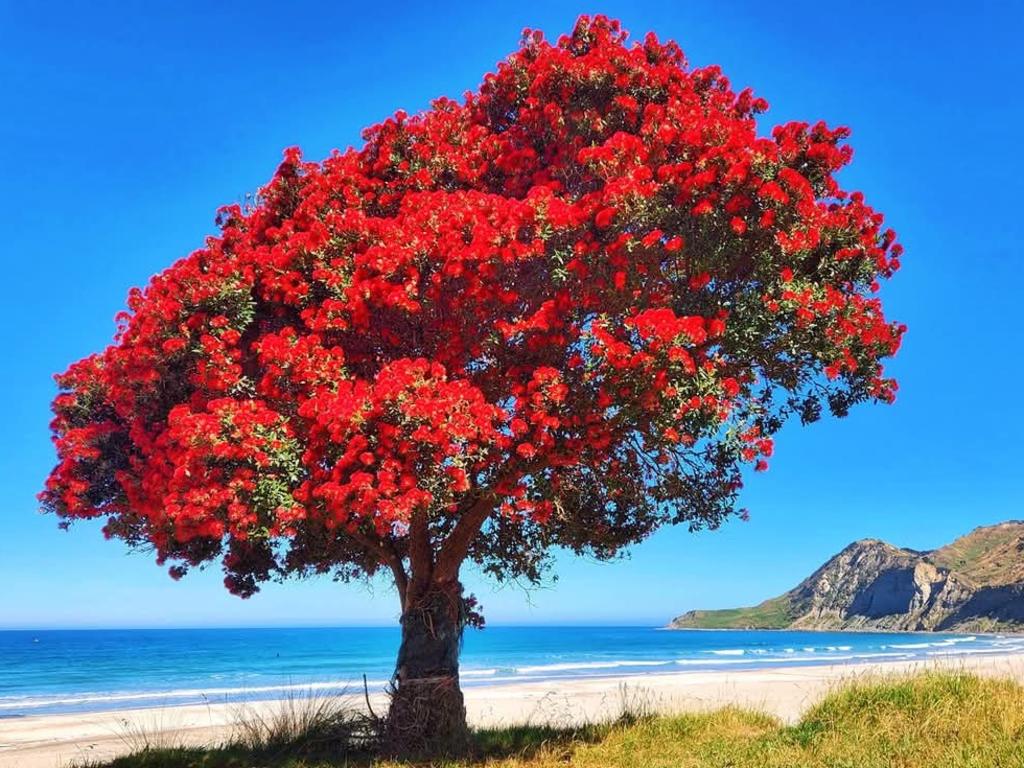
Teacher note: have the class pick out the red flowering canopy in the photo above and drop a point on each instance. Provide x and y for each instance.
(564, 311)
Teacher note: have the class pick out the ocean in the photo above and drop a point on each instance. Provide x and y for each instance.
(62, 671)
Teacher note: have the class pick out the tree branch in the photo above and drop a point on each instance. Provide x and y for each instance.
(456, 546)
(386, 555)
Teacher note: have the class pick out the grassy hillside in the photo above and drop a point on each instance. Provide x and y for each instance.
(948, 720)
(771, 614)
(989, 556)
(973, 584)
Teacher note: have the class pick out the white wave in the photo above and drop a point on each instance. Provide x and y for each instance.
(909, 645)
(844, 657)
(795, 659)
(966, 651)
(934, 644)
(883, 654)
(763, 660)
(90, 697)
(728, 652)
(477, 672)
(567, 666)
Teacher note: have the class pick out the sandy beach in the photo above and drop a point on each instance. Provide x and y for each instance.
(48, 741)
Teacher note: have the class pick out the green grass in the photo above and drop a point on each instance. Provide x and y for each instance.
(771, 614)
(933, 720)
(987, 556)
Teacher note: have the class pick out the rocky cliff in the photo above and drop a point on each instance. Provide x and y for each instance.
(974, 584)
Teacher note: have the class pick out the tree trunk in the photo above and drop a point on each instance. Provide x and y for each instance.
(427, 717)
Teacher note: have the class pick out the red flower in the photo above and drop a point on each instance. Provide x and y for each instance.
(526, 450)
(604, 218)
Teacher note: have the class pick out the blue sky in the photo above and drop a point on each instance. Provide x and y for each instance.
(126, 124)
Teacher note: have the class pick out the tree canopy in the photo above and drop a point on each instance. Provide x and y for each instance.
(563, 311)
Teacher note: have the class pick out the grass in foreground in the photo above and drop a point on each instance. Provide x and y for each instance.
(945, 720)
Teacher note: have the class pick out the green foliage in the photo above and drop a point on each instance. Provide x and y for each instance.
(771, 614)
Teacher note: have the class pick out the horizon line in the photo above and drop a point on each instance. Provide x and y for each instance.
(394, 625)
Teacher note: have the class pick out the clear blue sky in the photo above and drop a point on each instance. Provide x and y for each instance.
(126, 124)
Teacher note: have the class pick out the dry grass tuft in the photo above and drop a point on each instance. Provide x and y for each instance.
(305, 724)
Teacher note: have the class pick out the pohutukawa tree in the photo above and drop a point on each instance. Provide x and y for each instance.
(561, 313)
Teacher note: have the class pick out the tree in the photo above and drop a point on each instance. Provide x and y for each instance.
(561, 313)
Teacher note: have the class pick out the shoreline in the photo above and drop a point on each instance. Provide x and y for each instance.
(51, 740)
(341, 690)
(91, 701)
(851, 630)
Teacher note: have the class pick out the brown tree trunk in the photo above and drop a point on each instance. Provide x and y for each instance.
(427, 717)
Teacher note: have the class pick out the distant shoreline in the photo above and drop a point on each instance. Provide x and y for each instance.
(850, 630)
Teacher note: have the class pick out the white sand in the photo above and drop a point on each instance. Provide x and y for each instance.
(49, 741)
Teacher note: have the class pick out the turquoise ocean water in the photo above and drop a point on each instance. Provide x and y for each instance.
(94, 670)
